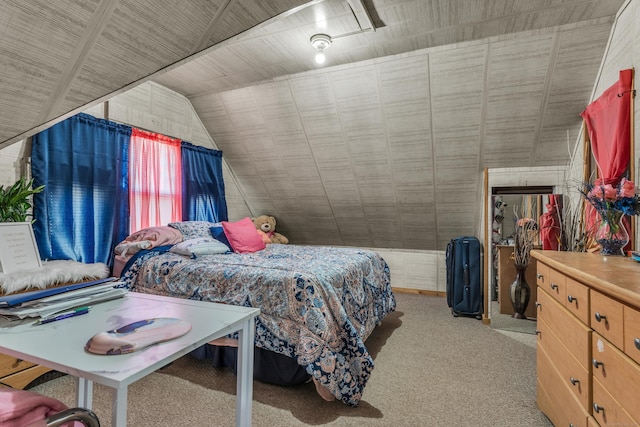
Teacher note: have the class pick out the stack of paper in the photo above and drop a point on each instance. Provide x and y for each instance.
(21, 306)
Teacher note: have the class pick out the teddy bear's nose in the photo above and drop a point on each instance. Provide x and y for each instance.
(266, 227)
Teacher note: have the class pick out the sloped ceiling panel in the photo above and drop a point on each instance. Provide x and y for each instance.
(37, 42)
(572, 70)
(404, 97)
(390, 152)
(458, 99)
(57, 56)
(135, 41)
(516, 88)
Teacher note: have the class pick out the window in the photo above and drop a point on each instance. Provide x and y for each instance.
(155, 180)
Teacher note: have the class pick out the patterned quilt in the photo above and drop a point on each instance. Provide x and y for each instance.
(318, 304)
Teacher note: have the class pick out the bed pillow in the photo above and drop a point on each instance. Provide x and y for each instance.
(218, 233)
(243, 236)
(200, 246)
(194, 229)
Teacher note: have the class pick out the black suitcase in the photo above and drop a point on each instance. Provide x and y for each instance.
(464, 276)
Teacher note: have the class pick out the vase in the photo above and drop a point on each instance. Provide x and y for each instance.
(611, 235)
(520, 293)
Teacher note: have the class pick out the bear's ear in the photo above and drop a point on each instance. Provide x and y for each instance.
(272, 218)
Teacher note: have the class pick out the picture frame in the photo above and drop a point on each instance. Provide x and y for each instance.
(18, 248)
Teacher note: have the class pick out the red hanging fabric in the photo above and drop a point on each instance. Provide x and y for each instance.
(550, 225)
(608, 124)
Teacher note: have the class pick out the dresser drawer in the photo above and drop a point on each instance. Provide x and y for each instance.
(619, 375)
(577, 301)
(607, 318)
(632, 333)
(542, 275)
(10, 365)
(575, 336)
(553, 397)
(557, 287)
(572, 373)
(606, 410)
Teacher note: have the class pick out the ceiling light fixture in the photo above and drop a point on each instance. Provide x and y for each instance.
(320, 42)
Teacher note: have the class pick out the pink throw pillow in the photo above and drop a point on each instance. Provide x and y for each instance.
(243, 236)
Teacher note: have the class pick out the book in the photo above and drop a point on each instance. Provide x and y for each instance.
(14, 300)
(49, 306)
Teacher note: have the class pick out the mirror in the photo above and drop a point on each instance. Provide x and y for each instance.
(507, 210)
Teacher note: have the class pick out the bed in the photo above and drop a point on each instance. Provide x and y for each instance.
(318, 304)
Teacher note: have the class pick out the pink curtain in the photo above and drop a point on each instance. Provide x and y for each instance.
(608, 124)
(155, 180)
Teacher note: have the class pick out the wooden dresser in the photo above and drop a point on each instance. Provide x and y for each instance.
(588, 326)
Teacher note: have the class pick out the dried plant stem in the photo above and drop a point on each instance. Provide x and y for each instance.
(524, 238)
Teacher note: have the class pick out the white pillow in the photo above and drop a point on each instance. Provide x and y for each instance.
(200, 246)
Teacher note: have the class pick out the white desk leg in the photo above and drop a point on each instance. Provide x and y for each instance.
(84, 393)
(119, 408)
(244, 386)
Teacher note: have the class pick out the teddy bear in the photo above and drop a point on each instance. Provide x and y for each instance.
(266, 226)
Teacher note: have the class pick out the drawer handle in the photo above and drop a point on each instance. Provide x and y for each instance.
(571, 299)
(539, 276)
(553, 286)
(597, 408)
(574, 381)
(538, 304)
(596, 364)
(637, 343)
(538, 332)
(599, 317)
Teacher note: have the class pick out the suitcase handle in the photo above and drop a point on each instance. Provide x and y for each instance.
(466, 274)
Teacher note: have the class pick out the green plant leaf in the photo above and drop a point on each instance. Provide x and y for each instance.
(15, 201)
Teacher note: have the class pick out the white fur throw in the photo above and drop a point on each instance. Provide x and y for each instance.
(51, 273)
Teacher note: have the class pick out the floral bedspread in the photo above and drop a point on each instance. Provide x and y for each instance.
(318, 304)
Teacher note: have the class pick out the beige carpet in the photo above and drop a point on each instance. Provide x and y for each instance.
(431, 369)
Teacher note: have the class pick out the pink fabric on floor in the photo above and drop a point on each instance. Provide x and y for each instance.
(22, 408)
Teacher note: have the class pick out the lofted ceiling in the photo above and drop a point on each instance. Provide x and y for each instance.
(384, 145)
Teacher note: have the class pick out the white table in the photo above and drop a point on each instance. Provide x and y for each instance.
(60, 345)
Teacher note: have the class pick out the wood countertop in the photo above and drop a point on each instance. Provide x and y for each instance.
(616, 276)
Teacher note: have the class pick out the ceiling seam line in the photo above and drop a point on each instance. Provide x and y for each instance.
(387, 144)
(234, 176)
(348, 149)
(482, 138)
(553, 59)
(434, 167)
(211, 28)
(313, 157)
(256, 100)
(78, 58)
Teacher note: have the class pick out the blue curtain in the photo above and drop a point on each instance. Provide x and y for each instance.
(83, 211)
(203, 196)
